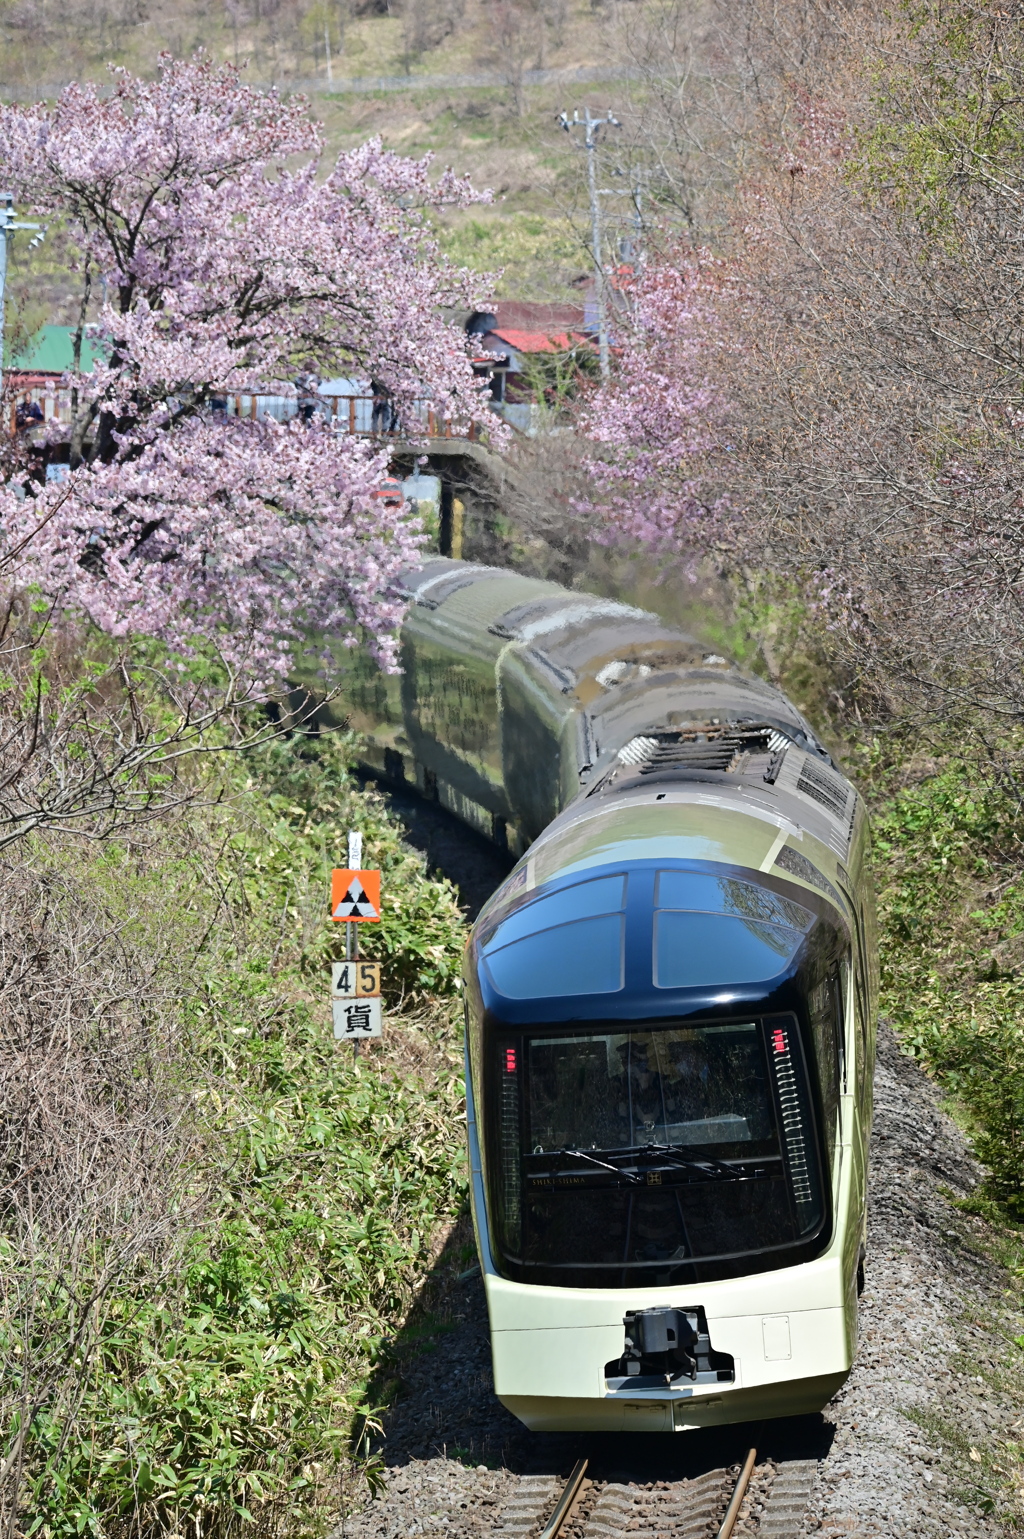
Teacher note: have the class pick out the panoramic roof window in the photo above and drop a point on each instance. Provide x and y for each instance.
(711, 930)
(605, 895)
(570, 942)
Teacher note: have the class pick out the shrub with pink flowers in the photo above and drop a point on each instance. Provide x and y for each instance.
(657, 424)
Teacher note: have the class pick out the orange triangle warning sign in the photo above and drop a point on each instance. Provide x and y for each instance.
(355, 895)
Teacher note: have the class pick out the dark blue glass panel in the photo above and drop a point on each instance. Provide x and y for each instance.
(602, 896)
(727, 895)
(581, 958)
(693, 950)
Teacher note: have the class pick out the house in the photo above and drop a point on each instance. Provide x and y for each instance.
(33, 377)
(513, 332)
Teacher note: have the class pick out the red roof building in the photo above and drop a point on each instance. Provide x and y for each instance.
(538, 341)
(514, 330)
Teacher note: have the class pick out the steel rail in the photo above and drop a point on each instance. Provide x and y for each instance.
(739, 1492)
(566, 1500)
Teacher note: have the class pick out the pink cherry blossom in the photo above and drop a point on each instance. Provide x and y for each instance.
(658, 423)
(230, 264)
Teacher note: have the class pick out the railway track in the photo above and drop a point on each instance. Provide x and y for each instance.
(767, 1500)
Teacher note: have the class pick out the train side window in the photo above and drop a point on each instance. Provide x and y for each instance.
(847, 1019)
(862, 1011)
(857, 1024)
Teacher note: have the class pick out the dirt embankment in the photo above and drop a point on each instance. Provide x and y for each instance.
(937, 1392)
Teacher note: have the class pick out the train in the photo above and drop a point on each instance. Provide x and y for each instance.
(670, 1003)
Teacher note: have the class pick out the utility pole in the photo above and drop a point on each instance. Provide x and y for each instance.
(8, 224)
(591, 127)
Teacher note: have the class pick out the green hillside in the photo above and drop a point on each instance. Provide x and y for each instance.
(503, 134)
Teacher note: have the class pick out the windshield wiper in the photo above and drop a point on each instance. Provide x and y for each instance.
(707, 1164)
(581, 1154)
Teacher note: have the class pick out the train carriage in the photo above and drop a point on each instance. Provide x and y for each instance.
(670, 1006)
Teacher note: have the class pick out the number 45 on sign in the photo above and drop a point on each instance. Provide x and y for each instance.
(355, 1000)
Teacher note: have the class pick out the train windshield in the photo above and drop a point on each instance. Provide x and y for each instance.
(672, 1154)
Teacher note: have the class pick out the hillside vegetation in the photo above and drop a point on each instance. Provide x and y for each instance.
(233, 1239)
(503, 135)
(213, 1221)
(284, 41)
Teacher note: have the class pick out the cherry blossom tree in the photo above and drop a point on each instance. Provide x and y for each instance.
(228, 263)
(657, 425)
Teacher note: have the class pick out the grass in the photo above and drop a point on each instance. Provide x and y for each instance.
(230, 1392)
(951, 894)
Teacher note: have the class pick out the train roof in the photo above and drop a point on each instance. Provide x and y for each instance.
(628, 672)
(692, 825)
(673, 728)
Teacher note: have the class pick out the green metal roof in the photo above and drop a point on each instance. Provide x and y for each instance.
(51, 351)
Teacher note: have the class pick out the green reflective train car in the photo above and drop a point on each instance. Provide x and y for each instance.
(670, 1004)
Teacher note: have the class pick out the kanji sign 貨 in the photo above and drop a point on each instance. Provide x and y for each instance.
(355, 895)
(355, 1018)
(355, 980)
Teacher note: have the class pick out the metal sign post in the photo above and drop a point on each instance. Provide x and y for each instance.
(355, 985)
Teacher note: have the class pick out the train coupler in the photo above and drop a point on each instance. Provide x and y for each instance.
(663, 1345)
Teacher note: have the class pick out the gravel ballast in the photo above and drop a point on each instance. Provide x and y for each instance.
(936, 1373)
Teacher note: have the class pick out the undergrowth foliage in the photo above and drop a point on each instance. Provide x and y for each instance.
(949, 856)
(265, 1207)
(96, 1140)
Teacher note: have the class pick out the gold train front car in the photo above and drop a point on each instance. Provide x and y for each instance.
(670, 1050)
(670, 1005)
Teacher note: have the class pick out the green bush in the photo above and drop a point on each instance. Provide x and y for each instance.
(223, 1385)
(951, 901)
(301, 802)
